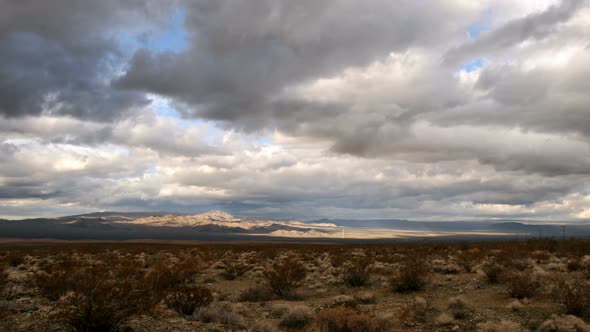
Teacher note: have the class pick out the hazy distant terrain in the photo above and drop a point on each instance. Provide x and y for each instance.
(221, 226)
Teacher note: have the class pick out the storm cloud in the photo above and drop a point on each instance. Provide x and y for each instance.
(375, 109)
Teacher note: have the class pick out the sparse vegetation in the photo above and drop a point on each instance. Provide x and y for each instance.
(112, 287)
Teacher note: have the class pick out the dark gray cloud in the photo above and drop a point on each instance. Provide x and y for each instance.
(243, 54)
(58, 57)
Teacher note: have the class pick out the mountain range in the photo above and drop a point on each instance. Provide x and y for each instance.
(219, 225)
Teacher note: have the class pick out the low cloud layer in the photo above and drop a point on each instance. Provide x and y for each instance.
(421, 110)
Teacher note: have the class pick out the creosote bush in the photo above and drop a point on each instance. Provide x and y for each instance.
(412, 276)
(186, 299)
(492, 271)
(358, 271)
(102, 303)
(15, 260)
(574, 296)
(415, 311)
(284, 276)
(257, 294)
(459, 308)
(521, 285)
(3, 278)
(233, 270)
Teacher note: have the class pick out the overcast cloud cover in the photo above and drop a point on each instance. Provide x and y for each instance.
(425, 110)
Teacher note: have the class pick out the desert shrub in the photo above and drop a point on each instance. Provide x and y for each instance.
(284, 276)
(442, 266)
(492, 271)
(573, 264)
(574, 296)
(415, 311)
(412, 276)
(257, 294)
(343, 319)
(459, 307)
(337, 258)
(297, 318)
(467, 259)
(186, 299)
(15, 260)
(3, 278)
(358, 271)
(55, 282)
(100, 303)
(503, 326)
(233, 270)
(262, 326)
(162, 277)
(222, 315)
(521, 285)
(564, 323)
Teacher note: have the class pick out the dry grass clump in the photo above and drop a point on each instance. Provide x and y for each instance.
(565, 324)
(412, 276)
(459, 307)
(358, 271)
(344, 319)
(574, 296)
(262, 326)
(297, 318)
(444, 319)
(186, 299)
(521, 285)
(503, 326)
(221, 314)
(573, 264)
(257, 294)
(284, 276)
(445, 267)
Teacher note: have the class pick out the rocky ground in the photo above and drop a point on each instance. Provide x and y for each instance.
(519, 286)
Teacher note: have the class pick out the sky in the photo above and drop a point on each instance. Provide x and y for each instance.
(421, 110)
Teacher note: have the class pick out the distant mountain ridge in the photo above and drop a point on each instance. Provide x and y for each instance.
(218, 224)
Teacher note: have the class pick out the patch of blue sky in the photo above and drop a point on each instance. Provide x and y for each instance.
(151, 169)
(171, 38)
(480, 26)
(174, 36)
(473, 65)
(264, 140)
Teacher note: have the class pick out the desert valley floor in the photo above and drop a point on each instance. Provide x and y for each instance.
(495, 286)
